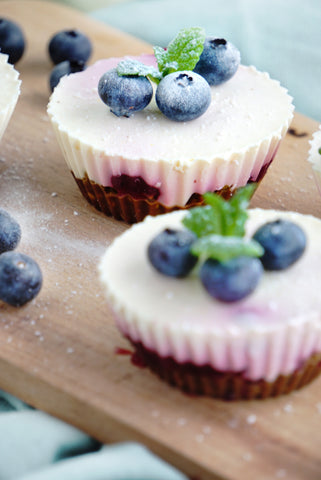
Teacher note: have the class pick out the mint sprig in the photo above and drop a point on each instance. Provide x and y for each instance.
(219, 216)
(224, 248)
(220, 226)
(135, 68)
(182, 53)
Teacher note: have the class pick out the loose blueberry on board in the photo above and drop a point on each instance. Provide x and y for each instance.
(283, 241)
(64, 68)
(232, 280)
(10, 232)
(219, 61)
(169, 252)
(12, 40)
(124, 94)
(71, 45)
(20, 278)
(183, 96)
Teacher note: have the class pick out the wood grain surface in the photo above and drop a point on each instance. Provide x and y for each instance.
(59, 353)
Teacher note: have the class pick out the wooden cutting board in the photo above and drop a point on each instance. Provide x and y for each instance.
(59, 353)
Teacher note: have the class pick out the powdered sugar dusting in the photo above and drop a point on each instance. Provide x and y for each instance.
(66, 237)
(42, 226)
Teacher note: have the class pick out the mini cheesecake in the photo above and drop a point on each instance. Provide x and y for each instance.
(148, 164)
(9, 91)
(314, 156)
(267, 344)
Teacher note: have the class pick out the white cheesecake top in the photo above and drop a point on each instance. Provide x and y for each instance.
(267, 333)
(9, 91)
(243, 112)
(314, 152)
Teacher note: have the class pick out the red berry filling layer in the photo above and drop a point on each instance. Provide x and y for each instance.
(205, 380)
(130, 198)
(134, 186)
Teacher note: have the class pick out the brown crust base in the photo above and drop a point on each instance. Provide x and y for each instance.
(133, 210)
(128, 208)
(204, 380)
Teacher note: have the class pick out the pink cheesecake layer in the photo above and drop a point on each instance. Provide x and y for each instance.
(269, 333)
(229, 145)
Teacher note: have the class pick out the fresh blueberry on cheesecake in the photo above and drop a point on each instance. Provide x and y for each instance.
(169, 252)
(124, 94)
(232, 280)
(183, 96)
(219, 61)
(231, 265)
(283, 241)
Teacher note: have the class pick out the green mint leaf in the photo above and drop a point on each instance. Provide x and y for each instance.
(161, 57)
(224, 213)
(238, 208)
(183, 51)
(319, 150)
(202, 221)
(181, 54)
(220, 226)
(135, 68)
(243, 195)
(224, 248)
(219, 216)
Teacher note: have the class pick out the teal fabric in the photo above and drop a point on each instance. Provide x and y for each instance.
(128, 461)
(36, 446)
(280, 37)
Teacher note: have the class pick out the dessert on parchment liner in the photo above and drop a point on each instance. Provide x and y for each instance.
(141, 163)
(10, 91)
(244, 321)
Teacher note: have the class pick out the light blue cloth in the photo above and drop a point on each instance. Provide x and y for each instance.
(280, 37)
(127, 461)
(36, 446)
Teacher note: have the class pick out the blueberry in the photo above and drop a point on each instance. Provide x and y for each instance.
(10, 232)
(64, 68)
(69, 45)
(232, 280)
(124, 94)
(20, 278)
(169, 252)
(12, 40)
(218, 61)
(183, 96)
(283, 241)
